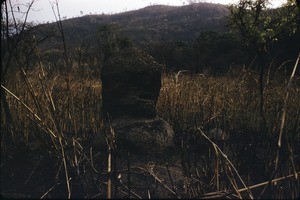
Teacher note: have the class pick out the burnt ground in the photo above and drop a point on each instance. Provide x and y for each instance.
(35, 174)
(190, 171)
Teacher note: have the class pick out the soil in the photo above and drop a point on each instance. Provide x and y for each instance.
(34, 174)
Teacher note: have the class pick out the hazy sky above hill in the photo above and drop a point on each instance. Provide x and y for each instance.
(42, 11)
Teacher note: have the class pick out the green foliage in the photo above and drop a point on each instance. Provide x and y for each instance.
(259, 24)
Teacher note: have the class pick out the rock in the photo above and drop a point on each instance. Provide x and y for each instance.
(141, 136)
(152, 137)
(131, 81)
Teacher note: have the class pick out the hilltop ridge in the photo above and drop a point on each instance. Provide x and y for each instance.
(151, 24)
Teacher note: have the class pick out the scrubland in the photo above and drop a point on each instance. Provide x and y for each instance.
(223, 148)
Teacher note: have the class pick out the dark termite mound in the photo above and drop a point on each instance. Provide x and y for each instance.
(131, 82)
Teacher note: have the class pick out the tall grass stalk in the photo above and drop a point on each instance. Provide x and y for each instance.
(225, 108)
(285, 103)
(229, 162)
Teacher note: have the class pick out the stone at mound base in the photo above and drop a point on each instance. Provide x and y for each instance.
(151, 137)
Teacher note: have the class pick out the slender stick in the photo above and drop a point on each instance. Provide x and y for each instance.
(229, 162)
(129, 174)
(233, 182)
(135, 194)
(285, 105)
(33, 171)
(210, 194)
(110, 141)
(31, 111)
(170, 177)
(109, 174)
(150, 170)
(47, 192)
(266, 182)
(65, 166)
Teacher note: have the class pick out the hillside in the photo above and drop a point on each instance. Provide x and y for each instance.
(158, 23)
(193, 37)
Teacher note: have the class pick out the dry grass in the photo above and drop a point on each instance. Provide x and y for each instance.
(225, 108)
(51, 95)
(229, 102)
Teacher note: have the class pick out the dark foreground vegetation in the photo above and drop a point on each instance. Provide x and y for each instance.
(228, 144)
(226, 109)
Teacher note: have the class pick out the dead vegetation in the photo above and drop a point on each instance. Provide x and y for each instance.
(221, 149)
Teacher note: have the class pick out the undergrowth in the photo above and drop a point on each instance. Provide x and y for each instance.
(52, 116)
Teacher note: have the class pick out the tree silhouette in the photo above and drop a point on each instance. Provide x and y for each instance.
(260, 26)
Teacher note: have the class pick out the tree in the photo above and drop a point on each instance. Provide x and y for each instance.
(19, 42)
(260, 26)
(11, 37)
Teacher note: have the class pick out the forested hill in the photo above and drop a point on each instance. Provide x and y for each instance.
(152, 24)
(193, 37)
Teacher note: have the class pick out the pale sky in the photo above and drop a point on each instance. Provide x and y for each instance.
(42, 11)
